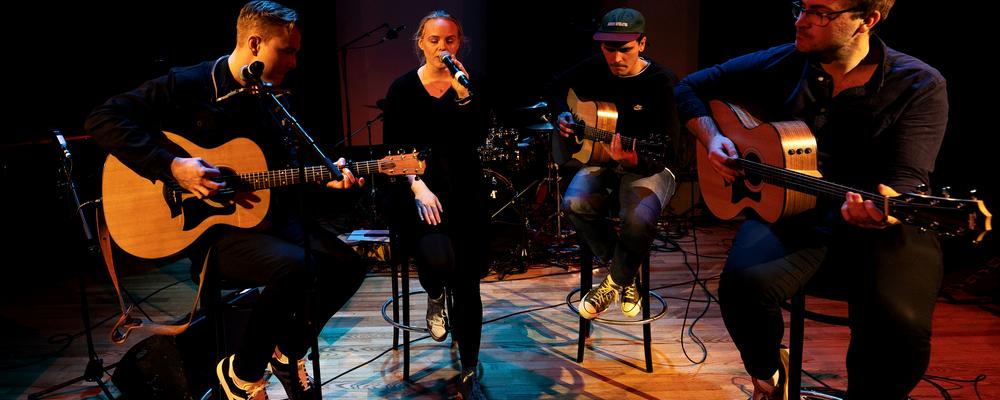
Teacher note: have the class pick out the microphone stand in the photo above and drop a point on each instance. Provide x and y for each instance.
(95, 366)
(371, 156)
(343, 72)
(286, 120)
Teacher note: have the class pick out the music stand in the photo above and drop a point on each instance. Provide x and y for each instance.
(95, 366)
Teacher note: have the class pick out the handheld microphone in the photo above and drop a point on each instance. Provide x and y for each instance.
(251, 72)
(457, 72)
(62, 144)
(393, 33)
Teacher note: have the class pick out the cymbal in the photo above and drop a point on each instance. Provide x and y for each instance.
(544, 126)
(541, 105)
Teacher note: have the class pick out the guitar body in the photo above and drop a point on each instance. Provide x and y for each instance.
(788, 145)
(139, 214)
(596, 114)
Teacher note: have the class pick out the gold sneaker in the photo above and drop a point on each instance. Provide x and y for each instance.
(631, 301)
(599, 299)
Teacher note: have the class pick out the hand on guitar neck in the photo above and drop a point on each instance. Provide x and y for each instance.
(865, 213)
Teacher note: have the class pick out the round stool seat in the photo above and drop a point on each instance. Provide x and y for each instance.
(572, 306)
(392, 322)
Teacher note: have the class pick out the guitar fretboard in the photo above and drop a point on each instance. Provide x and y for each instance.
(290, 176)
(601, 135)
(809, 184)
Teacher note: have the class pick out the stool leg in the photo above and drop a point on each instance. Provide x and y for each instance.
(795, 344)
(586, 282)
(394, 273)
(646, 328)
(405, 281)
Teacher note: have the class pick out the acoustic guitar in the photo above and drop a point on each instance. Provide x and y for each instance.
(594, 129)
(780, 179)
(160, 219)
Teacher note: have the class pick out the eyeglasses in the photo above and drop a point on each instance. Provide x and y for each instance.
(820, 18)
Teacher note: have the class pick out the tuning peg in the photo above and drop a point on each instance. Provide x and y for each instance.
(972, 194)
(921, 189)
(946, 192)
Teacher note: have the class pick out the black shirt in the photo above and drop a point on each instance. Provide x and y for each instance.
(645, 102)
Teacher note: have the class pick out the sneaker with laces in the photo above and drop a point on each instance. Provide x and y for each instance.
(293, 377)
(470, 387)
(234, 388)
(775, 388)
(437, 321)
(631, 302)
(599, 299)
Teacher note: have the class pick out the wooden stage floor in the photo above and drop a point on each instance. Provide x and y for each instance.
(528, 345)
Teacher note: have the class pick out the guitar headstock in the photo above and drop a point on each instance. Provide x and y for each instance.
(403, 163)
(944, 215)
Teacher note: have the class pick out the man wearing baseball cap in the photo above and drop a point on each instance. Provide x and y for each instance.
(637, 181)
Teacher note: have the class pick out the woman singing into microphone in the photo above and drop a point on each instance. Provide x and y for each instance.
(448, 228)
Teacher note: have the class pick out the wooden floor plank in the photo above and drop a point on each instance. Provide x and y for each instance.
(526, 356)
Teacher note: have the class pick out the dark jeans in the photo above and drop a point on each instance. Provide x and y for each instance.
(275, 260)
(592, 194)
(890, 278)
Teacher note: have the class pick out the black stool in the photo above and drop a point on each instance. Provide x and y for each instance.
(799, 313)
(587, 283)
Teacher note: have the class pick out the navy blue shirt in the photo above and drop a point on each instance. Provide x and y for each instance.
(888, 130)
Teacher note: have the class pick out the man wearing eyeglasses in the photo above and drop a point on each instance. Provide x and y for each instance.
(879, 117)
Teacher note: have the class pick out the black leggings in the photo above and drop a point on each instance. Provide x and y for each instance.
(891, 278)
(442, 263)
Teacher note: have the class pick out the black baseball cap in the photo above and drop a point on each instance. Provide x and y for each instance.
(621, 25)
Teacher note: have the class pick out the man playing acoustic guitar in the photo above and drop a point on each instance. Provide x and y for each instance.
(634, 109)
(879, 117)
(187, 102)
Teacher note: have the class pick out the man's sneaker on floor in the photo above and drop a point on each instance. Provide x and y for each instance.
(437, 322)
(470, 387)
(631, 302)
(234, 388)
(293, 376)
(775, 388)
(598, 299)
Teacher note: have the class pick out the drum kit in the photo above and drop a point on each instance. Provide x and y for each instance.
(523, 191)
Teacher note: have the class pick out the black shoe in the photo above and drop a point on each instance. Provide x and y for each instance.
(471, 390)
(294, 378)
(234, 391)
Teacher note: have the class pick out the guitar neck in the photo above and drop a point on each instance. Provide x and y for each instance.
(290, 176)
(603, 136)
(804, 183)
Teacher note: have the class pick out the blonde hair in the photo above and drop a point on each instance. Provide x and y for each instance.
(264, 18)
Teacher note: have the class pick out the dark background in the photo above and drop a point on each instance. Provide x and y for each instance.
(61, 61)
